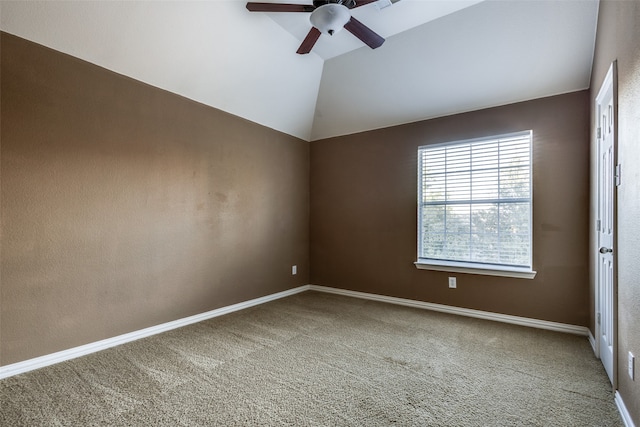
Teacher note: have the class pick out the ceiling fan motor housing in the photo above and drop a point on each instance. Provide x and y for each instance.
(330, 18)
(348, 3)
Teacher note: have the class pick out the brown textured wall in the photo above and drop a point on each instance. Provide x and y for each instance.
(618, 39)
(125, 206)
(364, 209)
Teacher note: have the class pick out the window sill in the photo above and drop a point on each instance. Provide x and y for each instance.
(469, 268)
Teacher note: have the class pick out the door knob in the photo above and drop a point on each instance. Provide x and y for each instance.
(604, 250)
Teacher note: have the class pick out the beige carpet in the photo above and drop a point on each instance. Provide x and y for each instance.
(324, 360)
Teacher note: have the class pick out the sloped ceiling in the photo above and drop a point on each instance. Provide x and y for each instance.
(441, 56)
(387, 21)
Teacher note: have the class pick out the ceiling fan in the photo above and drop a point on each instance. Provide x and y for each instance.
(327, 17)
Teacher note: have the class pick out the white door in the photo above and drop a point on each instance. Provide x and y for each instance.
(607, 175)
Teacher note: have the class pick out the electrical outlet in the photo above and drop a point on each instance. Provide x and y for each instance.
(452, 282)
(632, 360)
(294, 270)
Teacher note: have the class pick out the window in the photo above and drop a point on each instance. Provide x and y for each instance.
(474, 206)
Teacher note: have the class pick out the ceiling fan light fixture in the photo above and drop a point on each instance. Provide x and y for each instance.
(330, 18)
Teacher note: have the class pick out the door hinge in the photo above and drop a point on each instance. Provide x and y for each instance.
(598, 318)
(598, 225)
(599, 132)
(618, 175)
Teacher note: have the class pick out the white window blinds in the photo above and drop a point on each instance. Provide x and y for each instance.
(474, 201)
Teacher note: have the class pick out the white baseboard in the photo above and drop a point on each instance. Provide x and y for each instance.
(626, 416)
(517, 320)
(505, 318)
(72, 353)
(593, 343)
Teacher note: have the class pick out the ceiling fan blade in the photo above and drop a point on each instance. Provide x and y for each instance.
(309, 41)
(364, 33)
(363, 2)
(279, 7)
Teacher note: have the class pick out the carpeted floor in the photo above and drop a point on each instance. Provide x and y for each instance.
(317, 359)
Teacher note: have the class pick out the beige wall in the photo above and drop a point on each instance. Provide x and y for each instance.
(363, 211)
(618, 39)
(125, 206)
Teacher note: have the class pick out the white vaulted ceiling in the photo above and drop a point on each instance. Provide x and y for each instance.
(441, 57)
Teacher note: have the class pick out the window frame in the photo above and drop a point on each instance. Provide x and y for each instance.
(470, 266)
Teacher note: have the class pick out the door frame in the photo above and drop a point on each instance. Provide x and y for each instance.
(609, 80)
